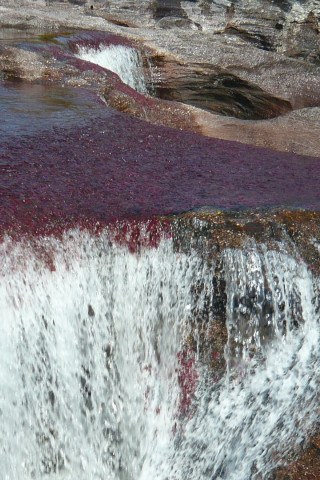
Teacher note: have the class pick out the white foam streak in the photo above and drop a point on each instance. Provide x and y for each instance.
(124, 61)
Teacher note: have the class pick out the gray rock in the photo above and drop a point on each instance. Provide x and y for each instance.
(171, 22)
(270, 47)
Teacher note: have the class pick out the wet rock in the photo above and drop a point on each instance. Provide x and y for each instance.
(17, 64)
(216, 91)
(294, 132)
(172, 22)
(256, 307)
(161, 113)
(306, 467)
(209, 232)
(256, 63)
(270, 51)
(187, 380)
(54, 63)
(167, 8)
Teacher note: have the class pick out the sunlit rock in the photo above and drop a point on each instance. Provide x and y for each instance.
(271, 47)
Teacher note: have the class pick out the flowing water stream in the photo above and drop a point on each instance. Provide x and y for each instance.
(122, 60)
(91, 337)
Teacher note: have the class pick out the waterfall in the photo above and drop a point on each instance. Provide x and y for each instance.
(265, 406)
(89, 340)
(102, 380)
(124, 61)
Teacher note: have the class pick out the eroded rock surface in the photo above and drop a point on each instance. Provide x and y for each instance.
(248, 60)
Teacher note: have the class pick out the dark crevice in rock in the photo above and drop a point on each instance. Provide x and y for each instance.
(258, 40)
(78, 2)
(278, 26)
(168, 8)
(11, 74)
(222, 93)
(120, 23)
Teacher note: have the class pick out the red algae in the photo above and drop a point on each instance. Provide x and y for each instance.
(139, 234)
(104, 166)
(188, 379)
(93, 39)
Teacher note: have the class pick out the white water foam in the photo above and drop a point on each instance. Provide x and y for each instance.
(88, 356)
(268, 402)
(89, 339)
(124, 61)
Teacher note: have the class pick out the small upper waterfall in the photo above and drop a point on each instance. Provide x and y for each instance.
(122, 60)
(107, 371)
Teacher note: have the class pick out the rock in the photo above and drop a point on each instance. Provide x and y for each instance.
(250, 60)
(202, 231)
(209, 234)
(296, 132)
(270, 55)
(306, 467)
(167, 8)
(213, 90)
(171, 22)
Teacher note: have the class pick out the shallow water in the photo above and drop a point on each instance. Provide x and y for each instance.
(29, 108)
(66, 157)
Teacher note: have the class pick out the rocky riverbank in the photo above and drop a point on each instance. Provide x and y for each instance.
(257, 69)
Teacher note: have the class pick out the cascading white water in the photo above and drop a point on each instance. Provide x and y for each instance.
(268, 401)
(89, 356)
(124, 61)
(90, 336)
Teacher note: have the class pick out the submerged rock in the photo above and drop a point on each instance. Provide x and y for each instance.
(251, 312)
(306, 467)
